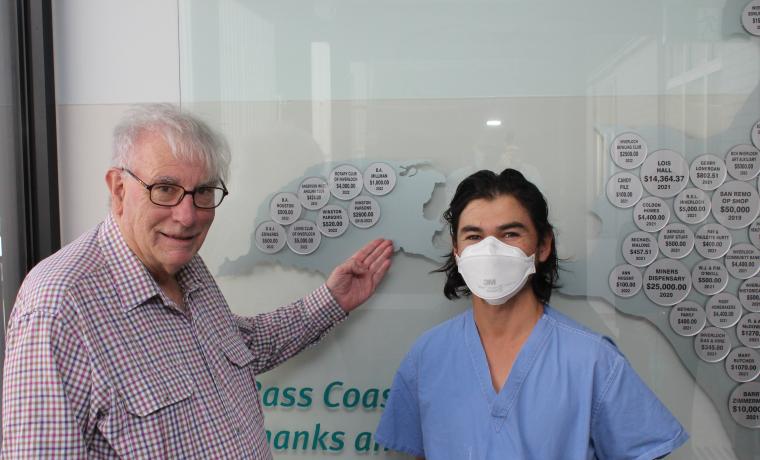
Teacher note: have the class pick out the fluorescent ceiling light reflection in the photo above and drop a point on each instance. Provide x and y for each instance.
(493, 123)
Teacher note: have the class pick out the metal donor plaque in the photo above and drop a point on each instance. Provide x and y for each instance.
(749, 294)
(744, 404)
(676, 240)
(628, 150)
(624, 190)
(270, 237)
(640, 249)
(748, 330)
(664, 173)
(304, 237)
(379, 179)
(735, 204)
(751, 17)
(743, 364)
(692, 205)
(625, 280)
(651, 214)
(712, 344)
(708, 172)
(743, 261)
(723, 310)
(285, 208)
(687, 318)
(712, 241)
(743, 162)
(313, 193)
(346, 182)
(667, 282)
(709, 277)
(332, 221)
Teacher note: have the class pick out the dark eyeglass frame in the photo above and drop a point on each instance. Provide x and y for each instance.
(192, 192)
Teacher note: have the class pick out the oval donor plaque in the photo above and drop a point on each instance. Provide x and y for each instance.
(712, 344)
(664, 173)
(304, 237)
(676, 240)
(743, 261)
(749, 294)
(723, 310)
(735, 204)
(270, 237)
(379, 179)
(744, 404)
(625, 280)
(364, 212)
(345, 182)
(667, 282)
(748, 330)
(687, 318)
(692, 205)
(332, 221)
(624, 190)
(640, 249)
(651, 214)
(708, 172)
(751, 17)
(285, 208)
(743, 364)
(313, 193)
(628, 150)
(743, 162)
(709, 277)
(712, 241)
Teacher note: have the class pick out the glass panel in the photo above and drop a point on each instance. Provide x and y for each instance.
(436, 90)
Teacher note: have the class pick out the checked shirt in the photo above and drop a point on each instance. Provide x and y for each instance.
(100, 363)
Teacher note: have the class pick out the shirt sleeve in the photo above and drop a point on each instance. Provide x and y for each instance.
(276, 336)
(46, 385)
(400, 427)
(629, 421)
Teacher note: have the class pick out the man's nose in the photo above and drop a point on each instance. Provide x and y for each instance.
(185, 212)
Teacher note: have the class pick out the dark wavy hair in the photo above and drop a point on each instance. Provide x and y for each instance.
(488, 185)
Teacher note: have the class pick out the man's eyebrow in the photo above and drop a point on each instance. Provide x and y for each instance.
(174, 181)
(511, 225)
(471, 228)
(501, 228)
(165, 180)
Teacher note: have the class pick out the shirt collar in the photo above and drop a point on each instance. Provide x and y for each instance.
(132, 280)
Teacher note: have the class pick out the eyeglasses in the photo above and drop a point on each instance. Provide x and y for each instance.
(169, 195)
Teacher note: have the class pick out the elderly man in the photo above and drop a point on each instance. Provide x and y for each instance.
(121, 345)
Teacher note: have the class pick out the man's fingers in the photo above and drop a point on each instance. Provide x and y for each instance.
(384, 253)
(378, 275)
(365, 251)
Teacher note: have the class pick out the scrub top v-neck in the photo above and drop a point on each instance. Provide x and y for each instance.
(569, 395)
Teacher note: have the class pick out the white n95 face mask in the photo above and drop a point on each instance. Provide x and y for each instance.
(495, 271)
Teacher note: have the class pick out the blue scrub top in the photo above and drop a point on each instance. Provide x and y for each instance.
(570, 395)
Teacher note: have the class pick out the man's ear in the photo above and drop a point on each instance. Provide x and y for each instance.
(545, 248)
(115, 184)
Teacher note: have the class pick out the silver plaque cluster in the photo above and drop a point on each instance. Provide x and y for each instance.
(698, 228)
(300, 219)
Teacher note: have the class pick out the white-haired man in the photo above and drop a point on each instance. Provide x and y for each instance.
(121, 344)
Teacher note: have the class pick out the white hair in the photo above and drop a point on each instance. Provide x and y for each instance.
(188, 137)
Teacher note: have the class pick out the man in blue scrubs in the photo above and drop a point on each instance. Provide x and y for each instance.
(512, 378)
